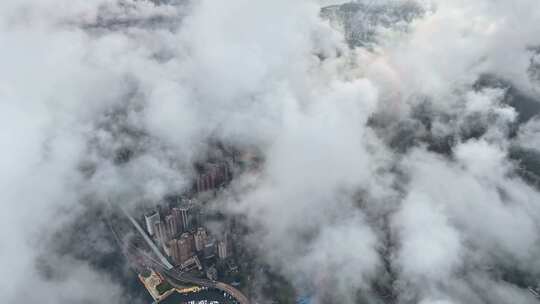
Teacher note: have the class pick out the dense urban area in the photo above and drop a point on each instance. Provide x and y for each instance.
(270, 152)
(173, 251)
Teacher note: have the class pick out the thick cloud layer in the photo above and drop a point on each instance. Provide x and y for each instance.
(401, 169)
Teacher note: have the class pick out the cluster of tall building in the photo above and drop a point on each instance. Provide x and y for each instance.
(166, 228)
(213, 176)
(190, 246)
(181, 249)
(176, 235)
(174, 229)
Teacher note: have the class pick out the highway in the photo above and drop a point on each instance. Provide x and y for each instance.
(150, 243)
(175, 277)
(235, 293)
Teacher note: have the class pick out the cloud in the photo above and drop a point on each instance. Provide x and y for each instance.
(387, 166)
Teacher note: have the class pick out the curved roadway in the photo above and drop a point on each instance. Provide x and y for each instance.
(176, 278)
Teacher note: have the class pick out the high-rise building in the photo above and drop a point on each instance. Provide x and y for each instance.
(172, 225)
(200, 239)
(162, 233)
(209, 250)
(182, 213)
(223, 249)
(185, 247)
(177, 214)
(174, 253)
(151, 219)
(203, 182)
(181, 249)
(214, 175)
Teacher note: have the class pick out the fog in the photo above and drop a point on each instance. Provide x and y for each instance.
(399, 168)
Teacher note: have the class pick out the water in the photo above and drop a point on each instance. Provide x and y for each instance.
(210, 295)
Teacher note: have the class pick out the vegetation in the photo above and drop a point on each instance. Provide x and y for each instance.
(163, 287)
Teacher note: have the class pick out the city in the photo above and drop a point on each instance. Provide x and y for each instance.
(270, 152)
(173, 252)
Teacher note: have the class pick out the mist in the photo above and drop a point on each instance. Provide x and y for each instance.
(400, 138)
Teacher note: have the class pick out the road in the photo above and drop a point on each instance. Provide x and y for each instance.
(150, 243)
(176, 277)
(235, 293)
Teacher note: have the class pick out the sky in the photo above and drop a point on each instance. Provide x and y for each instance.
(398, 162)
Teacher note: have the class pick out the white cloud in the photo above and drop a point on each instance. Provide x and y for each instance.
(81, 80)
